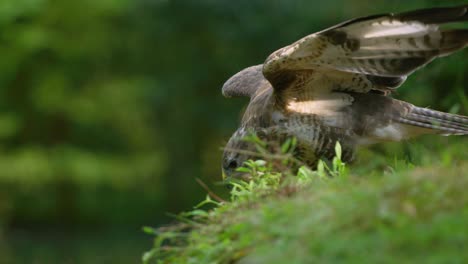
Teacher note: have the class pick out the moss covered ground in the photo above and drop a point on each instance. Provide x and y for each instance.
(335, 214)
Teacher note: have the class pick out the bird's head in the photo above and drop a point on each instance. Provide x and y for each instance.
(237, 151)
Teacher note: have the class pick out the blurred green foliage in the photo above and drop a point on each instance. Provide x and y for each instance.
(110, 109)
(77, 129)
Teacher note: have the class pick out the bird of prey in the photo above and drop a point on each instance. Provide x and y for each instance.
(335, 85)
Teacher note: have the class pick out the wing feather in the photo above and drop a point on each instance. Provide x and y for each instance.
(245, 83)
(392, 45)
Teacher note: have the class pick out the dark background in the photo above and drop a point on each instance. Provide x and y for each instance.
(109, 110)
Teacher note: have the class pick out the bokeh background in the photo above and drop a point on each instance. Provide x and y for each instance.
(110, 109)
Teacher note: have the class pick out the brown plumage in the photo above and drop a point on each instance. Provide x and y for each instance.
(334, 85)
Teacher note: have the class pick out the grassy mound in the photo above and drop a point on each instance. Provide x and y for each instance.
(407, 215)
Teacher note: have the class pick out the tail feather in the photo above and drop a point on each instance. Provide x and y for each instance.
(441, 115)
(439, 122)
(436, 122)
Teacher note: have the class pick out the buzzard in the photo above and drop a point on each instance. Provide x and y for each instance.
(335, 85)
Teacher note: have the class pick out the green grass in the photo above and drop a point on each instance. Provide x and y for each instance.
(406, 214)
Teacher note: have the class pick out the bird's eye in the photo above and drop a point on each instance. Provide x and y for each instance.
(232, 164)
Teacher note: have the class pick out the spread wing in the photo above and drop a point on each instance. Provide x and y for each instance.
(375, 52)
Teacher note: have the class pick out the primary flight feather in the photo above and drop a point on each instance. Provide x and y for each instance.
(334, 85)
